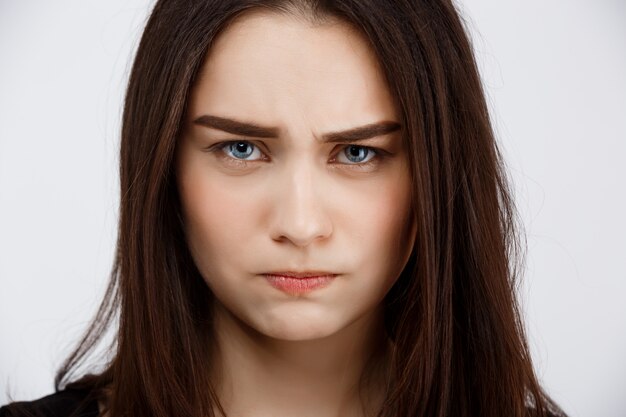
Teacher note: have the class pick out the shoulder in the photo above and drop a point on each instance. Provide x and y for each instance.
(65, 403)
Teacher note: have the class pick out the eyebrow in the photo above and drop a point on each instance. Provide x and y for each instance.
(253, 130)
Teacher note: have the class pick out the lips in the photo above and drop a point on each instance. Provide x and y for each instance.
(297, 283)
(306, 274)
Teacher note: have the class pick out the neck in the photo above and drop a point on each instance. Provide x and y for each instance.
(259, 375)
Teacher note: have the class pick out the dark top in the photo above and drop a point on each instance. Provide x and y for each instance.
(59, 404)
(63, 404)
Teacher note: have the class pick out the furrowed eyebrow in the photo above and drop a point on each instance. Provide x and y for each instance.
(252, 130)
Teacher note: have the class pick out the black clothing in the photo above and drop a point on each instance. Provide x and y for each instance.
(63, 403)
(59, 404)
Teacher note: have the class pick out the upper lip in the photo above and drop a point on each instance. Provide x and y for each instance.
(303, 274)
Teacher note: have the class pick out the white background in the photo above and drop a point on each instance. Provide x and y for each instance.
(555, 74)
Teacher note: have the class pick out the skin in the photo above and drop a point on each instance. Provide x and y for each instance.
(296, 204)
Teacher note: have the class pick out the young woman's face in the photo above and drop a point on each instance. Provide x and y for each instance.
(286, 197)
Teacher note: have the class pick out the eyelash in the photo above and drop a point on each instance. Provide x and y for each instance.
(379, 154)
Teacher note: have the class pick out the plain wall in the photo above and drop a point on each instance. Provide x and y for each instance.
(555, 76)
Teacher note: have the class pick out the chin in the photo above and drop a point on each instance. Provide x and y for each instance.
(297, 335)
(297, 329)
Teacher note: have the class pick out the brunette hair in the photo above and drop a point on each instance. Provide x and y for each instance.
(459, 347)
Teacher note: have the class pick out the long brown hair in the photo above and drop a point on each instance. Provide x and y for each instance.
(459, 347)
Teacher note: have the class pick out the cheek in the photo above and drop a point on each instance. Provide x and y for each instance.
(386, 223)
(218, 219)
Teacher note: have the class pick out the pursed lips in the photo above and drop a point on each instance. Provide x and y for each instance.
(304, 274)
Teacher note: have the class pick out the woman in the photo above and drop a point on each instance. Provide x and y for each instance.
(315, 221)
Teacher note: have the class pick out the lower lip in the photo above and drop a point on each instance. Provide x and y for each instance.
(297, 286)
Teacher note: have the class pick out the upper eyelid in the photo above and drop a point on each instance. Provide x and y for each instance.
(380, 155)
(222, 144)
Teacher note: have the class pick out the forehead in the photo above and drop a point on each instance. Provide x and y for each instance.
(278, 69)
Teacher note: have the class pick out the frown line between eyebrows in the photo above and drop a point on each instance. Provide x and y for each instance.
(356, 134)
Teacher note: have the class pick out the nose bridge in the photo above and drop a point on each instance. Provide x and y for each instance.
(300, 205)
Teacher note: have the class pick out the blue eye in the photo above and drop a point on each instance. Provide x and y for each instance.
(358, 153)
(241, 149)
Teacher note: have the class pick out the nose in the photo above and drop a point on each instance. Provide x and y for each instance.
(299, 211)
